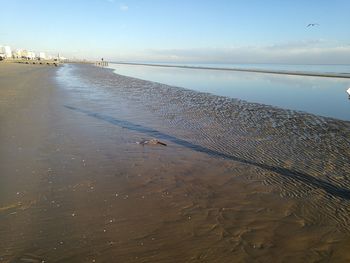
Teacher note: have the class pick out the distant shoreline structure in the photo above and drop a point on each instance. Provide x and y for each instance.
(266, 71)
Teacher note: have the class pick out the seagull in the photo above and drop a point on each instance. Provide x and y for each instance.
(312, 24)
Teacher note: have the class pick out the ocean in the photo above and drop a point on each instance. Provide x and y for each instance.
(316, 95)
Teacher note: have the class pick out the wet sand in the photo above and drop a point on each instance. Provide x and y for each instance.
(237, 182)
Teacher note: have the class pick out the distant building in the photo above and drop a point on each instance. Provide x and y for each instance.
(24, 53)
(42, 56)
(58, 58)
(61, 58)
(31, 55)
(2, 54)
(18, 53)
(5, 52)
(28, 54)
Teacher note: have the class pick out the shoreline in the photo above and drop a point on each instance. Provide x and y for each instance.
(280, 72)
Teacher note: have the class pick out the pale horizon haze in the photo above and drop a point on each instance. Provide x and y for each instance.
(249, 31)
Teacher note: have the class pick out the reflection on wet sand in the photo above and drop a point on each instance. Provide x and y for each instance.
(237, 181)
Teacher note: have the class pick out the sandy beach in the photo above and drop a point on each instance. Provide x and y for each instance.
(236, 181)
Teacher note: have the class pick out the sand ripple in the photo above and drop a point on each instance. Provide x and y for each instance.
(303, 155)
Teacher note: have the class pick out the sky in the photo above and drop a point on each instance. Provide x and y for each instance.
(187, 31)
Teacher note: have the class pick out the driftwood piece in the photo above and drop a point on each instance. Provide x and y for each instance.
(151, 142)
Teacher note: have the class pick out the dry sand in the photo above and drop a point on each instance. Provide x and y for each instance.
(76, 187)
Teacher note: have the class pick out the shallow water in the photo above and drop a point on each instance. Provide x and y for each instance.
(317, 95)
(312, 68)
(236, 182)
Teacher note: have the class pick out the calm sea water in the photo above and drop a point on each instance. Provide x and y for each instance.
(322, 68)
(316, 95)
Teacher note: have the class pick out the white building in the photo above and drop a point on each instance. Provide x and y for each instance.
(5, 52)
(30, 55)
(2, 54)
(61, 58)
(42, 56)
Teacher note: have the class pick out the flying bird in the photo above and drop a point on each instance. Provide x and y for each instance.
(312, 24)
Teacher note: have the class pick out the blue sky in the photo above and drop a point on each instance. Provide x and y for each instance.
(236, 31)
